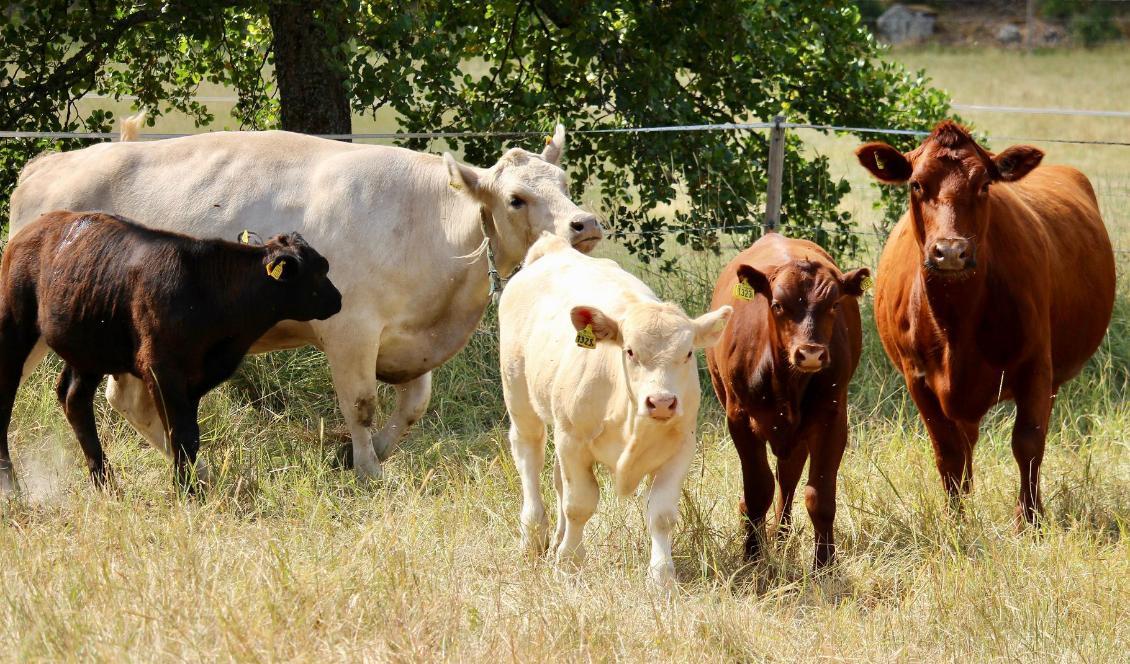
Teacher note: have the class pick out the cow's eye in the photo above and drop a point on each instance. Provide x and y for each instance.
(916, 187)
(631, 355)
(516, 202)
(777, 308)
(985, 188)
(689, 354)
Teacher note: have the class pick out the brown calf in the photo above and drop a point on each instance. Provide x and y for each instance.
(112, 297)
(781, 371)
(998, 283)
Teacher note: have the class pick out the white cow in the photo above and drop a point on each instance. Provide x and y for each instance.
(406, 235)
(629, 403)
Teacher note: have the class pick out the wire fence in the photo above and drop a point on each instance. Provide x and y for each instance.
(1114, 197)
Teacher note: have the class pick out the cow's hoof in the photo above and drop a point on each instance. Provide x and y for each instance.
(535, 540)
(8, 486)
(382, 447)
(369, 473)
(662, 574)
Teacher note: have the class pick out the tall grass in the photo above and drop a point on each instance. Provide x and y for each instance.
(289, 558)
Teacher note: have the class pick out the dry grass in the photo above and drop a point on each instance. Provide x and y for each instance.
(289, 559)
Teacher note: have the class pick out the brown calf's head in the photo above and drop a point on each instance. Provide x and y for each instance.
(804, 298)
(950, 177)
(303, 275)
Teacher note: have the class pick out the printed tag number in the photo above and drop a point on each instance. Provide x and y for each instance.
(866, 284)
(586, 338)
(743, 291)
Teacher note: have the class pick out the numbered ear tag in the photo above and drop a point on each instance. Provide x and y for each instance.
(743, 291)
(245, 237)
(866, 284)
(586, 338)
(275, 269)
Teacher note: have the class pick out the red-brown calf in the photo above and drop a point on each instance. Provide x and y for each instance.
(781, 371)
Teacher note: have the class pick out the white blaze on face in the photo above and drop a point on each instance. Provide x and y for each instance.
(657, 342)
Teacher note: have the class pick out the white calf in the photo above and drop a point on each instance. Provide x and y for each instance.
(628, 398)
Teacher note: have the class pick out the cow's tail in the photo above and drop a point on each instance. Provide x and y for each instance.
(548, 243)
(130, 129)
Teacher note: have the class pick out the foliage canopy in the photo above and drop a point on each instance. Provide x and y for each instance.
(511, 65)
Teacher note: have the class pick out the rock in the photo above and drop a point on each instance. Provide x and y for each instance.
(902, 23)
(1008, 34)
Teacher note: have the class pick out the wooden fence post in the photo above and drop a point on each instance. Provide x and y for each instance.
(776, 174)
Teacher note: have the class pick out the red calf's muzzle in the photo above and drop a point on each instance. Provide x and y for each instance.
(661, 406)
(951, 256)
(810, 357)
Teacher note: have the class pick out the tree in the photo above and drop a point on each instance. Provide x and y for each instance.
(508, 65)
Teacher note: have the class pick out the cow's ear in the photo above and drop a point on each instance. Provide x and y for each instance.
(282, 267)
(884, 162)
(708, 327)
(554, 146)
(603, 327)
(461, 176)
(856, 282)
(756, 279)
(1016, 162)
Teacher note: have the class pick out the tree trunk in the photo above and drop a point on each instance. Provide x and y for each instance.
(310, 65)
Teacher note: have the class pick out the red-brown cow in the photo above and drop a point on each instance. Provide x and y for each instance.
(781, 371)
(998, 283)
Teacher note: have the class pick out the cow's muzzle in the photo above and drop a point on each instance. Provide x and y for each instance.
(810, 358)
(661, 406)
(585, 232)
(951, 256)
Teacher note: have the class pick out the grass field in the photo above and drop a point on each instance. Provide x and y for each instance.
(289, 559)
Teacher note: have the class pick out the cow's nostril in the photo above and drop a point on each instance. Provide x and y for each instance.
(577, 226)
(939, 253)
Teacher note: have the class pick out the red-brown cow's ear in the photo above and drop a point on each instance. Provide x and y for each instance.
(884, 162)
(857, 281)
(756, 279)
(1016, 162)
(603, 327)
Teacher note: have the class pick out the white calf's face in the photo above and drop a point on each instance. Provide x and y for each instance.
(527, 194)
(657, 343)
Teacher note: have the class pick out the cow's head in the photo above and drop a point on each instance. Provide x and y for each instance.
(804, 299)
(302, 276)
(950, 180)
(657, 342)
(526, 194)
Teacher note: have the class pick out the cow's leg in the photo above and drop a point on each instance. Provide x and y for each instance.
(788, 475)
(527, 446)
(352, 355)
(757, 482)
(663, 511)
(1034, 397)
(411, 401)
(18, 339)
(181, 412)
(129, 396)
(820, 492)
(559, 490)
(76, 394)
(953, 442)
(579, 496)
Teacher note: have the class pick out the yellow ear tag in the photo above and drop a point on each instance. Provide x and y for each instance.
(743, 291)
(245, 237)
(586, 338)
(866, 284)
(275, 269)
(548, 140)
(880, 163)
